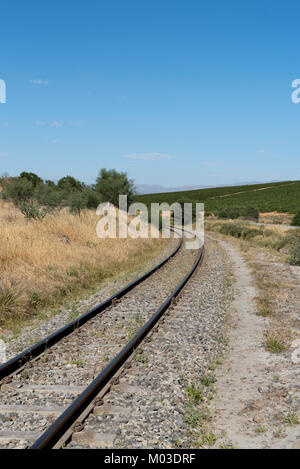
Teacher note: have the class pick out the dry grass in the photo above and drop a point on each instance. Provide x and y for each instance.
(275, 217)
(275, 340)
(44, 263)
(277, 238)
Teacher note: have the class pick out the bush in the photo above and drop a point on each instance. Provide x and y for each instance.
(231, 230)
(31, 211)
(70, 183)
(239, 231)
(93, 199)
(236, 212)
(29, 192)
(296, 220)
(17, 190)
(231, 212)
(295, 253)
(251, 212)
(49, 196)
(77, 201)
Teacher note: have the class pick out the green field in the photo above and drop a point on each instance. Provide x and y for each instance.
(280, 196)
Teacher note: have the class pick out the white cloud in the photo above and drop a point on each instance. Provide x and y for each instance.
(56, 124)
(260, 152)
(39, 82)
(149, 156)
(4, 154)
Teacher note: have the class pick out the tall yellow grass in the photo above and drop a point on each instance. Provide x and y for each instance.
(51, 259)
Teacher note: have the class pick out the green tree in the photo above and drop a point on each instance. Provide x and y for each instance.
(93, 197)
(49, 196)
(31, 177)
(77, 201)
(68, 182)
(110, 184)
(17, 190)
(49, 183)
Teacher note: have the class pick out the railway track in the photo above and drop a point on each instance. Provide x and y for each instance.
(50, 390)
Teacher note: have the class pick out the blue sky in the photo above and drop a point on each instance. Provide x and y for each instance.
(172, 92)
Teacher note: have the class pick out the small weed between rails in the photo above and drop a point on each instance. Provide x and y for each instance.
(101, 332)
(276, 379)
(45, 358)
(132, 327)
(76, 362)
(131, 333)
(138, 318)
(141, 358)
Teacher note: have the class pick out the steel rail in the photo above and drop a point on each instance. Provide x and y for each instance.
(34, 351)
(64, 422)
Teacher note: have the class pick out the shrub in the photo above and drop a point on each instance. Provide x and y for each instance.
(70, 183)
(239, 231)
(31, 211)
(49, 196)
(231, 212)
(231, 229)
(236, 212)
(77, 201)
(93, 198)
(17, 190)
(251, 212)
(296, 220)
(274, 341)
(295, 252)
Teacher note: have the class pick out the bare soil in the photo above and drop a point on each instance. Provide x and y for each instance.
(257, 401)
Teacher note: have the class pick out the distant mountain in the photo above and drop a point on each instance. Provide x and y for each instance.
(155, 188)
